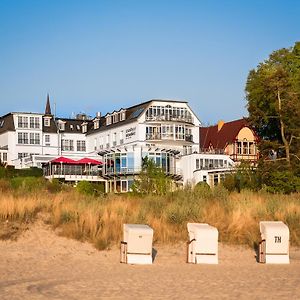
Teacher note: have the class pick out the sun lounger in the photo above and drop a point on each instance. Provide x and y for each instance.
(274, 245)
(202, 246)
(136, 247)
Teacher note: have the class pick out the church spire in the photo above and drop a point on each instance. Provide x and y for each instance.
(48, 108)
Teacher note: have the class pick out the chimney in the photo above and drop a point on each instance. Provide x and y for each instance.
(98, 114)
(48, 108)
(220, 124)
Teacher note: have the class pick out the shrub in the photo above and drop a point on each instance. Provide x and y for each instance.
(203, 189)
(28, 184)
(54, 186)
(282, 182)
(85, 187)
(2, 172)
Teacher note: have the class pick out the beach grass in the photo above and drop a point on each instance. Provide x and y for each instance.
(98, 219)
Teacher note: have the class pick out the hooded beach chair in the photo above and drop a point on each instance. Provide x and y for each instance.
(136, 247)
(202, 247)
(274, 244)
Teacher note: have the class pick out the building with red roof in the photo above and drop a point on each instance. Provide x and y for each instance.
(236, 139)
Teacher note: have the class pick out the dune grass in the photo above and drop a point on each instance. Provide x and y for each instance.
(99, 219)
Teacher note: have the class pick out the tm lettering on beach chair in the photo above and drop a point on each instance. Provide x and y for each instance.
(136, 247)
(274, 245)
(202, 247)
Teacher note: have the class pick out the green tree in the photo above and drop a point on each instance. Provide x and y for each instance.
(273, 95)
(152, 179)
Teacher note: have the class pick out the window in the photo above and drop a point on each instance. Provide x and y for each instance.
(22, 138)
(107, 141)
(239, 148)
(67, 145)
(22, 155)
(167, 132)
(245, 147)
(197, 164)
(4, 157)
(187, 150)
(114, 139)
(116, 118)
(108, 120)
(47, 122)
(34, 138)
(216, 179)
(121, 137)
(84, 128)
(123, 185)
(251, 148)
(71, 127)
(101, 142)
(77, 127)
(122, 116)
(179, 132)
(22, 122)
(34, 122)
(96, 124)
(47, 139)
(81, 146)
(61, 126)
(204, 178)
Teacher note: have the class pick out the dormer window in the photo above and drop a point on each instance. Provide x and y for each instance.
(108, 120)
(61, 125)
(47, 122)
(122, 115)
(96, 123)
(115, 118)
(84, 127)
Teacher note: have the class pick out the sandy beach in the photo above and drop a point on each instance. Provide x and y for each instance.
(42, 265)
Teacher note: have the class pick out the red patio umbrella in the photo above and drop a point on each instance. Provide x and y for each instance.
(63, 160)
(90, 161)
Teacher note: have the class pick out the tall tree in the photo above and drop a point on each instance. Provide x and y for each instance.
(273, 95)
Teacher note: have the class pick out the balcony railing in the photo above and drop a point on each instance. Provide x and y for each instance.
(170, 136)
(185, 119)
(130, 171)
(212, 151)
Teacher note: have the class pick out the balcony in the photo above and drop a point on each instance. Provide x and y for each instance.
(211, 151)
(112, 172)
(185, 119)
(169, 136)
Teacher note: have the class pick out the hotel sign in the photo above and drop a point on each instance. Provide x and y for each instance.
(130, 132)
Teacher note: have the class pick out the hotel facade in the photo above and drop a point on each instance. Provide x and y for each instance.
(166, 131)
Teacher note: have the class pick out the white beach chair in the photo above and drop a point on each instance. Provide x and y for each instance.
(274, 245)
(136, 247)
(202, 247)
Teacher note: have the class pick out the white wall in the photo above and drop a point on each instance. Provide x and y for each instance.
(187, 164)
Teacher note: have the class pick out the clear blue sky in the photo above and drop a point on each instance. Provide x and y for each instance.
(102, 55)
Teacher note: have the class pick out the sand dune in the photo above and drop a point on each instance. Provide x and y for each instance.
(41, 265)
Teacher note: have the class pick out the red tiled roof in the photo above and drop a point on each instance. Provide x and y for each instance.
(210, 136)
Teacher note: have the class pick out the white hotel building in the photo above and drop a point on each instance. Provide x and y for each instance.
(166, 131)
